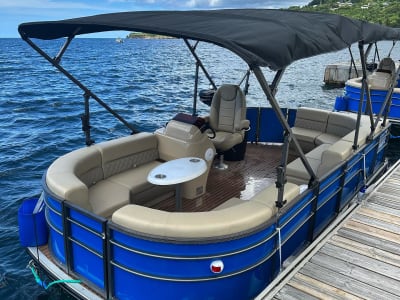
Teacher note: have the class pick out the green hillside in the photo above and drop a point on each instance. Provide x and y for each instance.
(386, 12)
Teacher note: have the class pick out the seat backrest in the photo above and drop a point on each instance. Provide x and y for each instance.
(387, 65)
(228, 109)
(311, 118)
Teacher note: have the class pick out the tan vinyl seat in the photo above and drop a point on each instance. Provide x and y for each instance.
(228, 117)
(384, 75)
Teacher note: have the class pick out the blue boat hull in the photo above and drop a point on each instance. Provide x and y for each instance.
(351, 99)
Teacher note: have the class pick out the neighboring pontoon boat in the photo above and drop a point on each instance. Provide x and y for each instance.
(383, 84)
(112, 208)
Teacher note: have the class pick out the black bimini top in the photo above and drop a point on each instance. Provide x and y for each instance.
(261, 37)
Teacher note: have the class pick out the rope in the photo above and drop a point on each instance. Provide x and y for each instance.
(42, 283)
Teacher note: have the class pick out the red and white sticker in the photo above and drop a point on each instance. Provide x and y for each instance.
(217, 266)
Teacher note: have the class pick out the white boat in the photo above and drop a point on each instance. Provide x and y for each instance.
(147, 216)
(338, 73)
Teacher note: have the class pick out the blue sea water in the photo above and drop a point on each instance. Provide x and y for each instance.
(146, 81)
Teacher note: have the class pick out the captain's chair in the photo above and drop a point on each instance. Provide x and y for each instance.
(228, 119)
(387, 65)
(384, 75)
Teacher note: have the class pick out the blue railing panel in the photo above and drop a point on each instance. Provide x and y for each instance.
(87, 265)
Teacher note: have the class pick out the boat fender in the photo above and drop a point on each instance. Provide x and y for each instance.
(362, 193)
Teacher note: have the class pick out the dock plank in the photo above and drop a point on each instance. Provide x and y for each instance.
(359, 258)
(385, 200)
(383, 209)
(377, 223)
(367, 274)
(365, 249)
(345, 283)
(319, 289)
(291, 293)
(385, 235)
(369, 240)
(380, 215)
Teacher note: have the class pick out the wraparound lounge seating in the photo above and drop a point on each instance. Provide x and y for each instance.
(229, 219)
(332, 147)
(106, 176)
(314, 127)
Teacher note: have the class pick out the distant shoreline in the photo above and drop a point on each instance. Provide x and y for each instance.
(140, 35)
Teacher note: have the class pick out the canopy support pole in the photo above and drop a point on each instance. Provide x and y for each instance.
(368, 50)
(364, 89)
(55, 63)
(365, 78)
(64, 48)
(276, 81)
(391, 49)
(282, 119)
(196, 83)
(246, 84)
(86, 121)
(352, 64)
(196, 57)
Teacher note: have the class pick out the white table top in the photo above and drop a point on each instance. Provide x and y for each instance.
(177, 171)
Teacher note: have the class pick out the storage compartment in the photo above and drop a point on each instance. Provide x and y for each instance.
(33, 229)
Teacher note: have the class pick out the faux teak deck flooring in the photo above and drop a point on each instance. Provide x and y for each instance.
(243, 179)
(361, 260)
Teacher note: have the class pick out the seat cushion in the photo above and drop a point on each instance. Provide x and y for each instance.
(269, 195)
(105, 197)
(225, 140)
(305, 137)
(135, 180)
(127, 152)
(326, 138)
(311, 118)
(341, 123)
(334, 156)
(297, 173)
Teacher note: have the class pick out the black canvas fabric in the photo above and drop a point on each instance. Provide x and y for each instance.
(261, 37)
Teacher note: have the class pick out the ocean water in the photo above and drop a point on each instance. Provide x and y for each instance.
(145, 81)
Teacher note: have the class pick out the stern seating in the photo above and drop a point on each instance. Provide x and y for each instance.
(229, 219)
(106, 176)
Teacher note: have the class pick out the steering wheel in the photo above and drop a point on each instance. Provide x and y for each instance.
(208, 130)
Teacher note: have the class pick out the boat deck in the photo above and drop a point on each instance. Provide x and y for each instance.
(243, 179)
(360, 259)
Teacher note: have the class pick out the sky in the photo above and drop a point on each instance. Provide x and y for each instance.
(14, 12)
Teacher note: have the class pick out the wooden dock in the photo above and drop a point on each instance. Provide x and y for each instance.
(359, 257)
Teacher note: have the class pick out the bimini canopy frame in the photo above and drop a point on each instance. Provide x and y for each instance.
(261, 37)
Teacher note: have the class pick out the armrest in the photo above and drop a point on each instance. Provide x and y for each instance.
(206, 118)
(244, 124)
